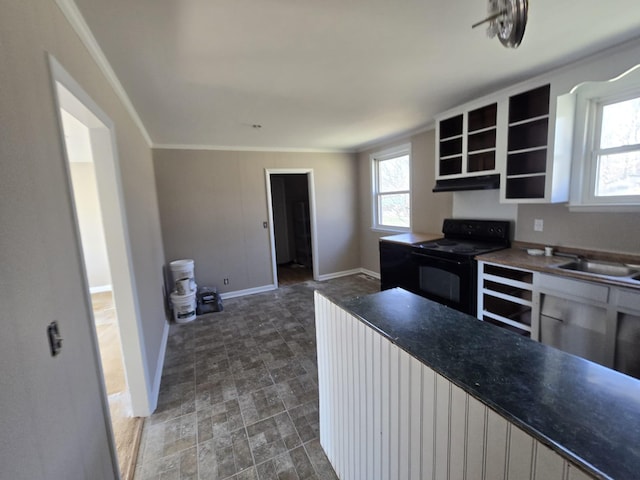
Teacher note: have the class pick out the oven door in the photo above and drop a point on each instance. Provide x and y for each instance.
(447, 281)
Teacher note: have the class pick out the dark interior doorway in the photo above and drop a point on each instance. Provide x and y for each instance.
(292, 227)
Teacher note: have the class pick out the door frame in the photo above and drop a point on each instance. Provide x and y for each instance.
(69, 94)
(312, 216)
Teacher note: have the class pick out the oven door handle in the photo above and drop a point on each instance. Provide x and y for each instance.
(436, 259)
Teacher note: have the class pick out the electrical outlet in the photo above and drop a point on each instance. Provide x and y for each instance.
(538, 225)
(226, 281)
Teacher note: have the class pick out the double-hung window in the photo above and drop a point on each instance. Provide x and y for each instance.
(607, 164)
(392, 189)
(615, 158)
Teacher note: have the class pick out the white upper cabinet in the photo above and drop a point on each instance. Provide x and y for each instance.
(523, 136)
(539, 141)
(468, 141)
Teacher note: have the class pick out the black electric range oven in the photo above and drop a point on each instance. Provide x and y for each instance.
(445, 270)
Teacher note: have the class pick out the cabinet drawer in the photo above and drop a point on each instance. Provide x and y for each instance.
(629, 300)
(574, 288)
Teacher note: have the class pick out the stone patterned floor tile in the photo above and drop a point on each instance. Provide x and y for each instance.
(306, 420)
(280, 467)
(319, 460)
(297, 391)
(238, 396)
(261, 404)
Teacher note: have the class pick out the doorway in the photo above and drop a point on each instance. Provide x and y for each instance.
(292, 225)
(94, 186)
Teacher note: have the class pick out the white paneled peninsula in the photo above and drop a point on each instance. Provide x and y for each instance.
(412, 389)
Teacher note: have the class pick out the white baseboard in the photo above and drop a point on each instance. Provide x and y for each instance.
(100, 288)
(155, 392)
(345, 273)
(321, 278)
(371, 273)
(248, 291)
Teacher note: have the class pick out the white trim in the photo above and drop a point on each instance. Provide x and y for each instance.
(236, 148)
(69, 94)
(371, 273)
(155, 390)
(345, 273)
(591, 97)
(397, 151)
(78, 23)
(321, 278)
(100, 289)
(248, 291)
(406, 136)
(312, 217)
(603, 208)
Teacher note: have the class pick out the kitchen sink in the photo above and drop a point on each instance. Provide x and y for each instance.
(596, 267)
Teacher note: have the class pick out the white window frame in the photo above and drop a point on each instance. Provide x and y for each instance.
(375, 158)
(590, 100)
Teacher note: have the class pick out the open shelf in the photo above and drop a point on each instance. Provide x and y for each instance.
(505, 297)
(527, 144)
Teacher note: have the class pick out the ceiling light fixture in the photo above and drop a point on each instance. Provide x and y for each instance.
(507, 19)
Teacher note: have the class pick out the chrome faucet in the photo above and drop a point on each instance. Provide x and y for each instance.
(576, 257)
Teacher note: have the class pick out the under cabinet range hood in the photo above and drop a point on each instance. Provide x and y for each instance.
(482, 182)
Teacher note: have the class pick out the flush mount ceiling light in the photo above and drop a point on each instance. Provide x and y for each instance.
(507, 19)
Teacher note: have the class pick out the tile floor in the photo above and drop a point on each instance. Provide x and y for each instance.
(239, 395)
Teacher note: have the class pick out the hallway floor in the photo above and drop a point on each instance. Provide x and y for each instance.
(291, 273)
(239, 394)
(126, 429)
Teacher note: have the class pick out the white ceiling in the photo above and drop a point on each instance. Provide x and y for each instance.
(327, 74)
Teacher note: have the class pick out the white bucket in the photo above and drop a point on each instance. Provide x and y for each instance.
(180, 270)
(184, 307)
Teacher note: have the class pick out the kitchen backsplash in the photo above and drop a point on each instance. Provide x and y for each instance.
(615, 231)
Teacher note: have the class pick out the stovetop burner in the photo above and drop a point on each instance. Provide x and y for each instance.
(446, 242)
(468, 238)
(464, 249)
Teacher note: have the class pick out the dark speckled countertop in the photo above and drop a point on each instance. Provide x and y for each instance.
(587, 413)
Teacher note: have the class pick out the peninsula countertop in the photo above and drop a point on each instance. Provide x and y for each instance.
(587, 413)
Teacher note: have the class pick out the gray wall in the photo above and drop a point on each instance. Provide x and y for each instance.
(213, 203)
(613, 231)
(52, 419)
(428, 209)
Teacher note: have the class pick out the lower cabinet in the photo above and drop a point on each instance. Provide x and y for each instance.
(627, 339)
(593, 320)
(386, 415)
(575, 317)
(505, 298)
(397, 268)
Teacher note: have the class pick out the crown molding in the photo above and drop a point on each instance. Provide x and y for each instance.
(380, 142)
(78, 23)
(175, 146)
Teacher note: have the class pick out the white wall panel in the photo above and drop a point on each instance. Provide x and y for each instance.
(415, 408)
(404, 410)
(458, 432)
(428, 422)
(476, 439)
(548, 465)
(520, 454)
(495, 451)
(394, 411)
(385, 415)
(442, 417)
